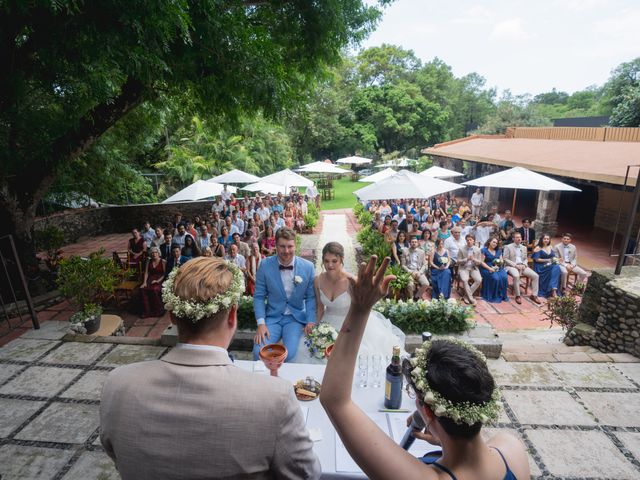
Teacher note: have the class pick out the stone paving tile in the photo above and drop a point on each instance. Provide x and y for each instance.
(534, 407)
(631, 440)
(52, 330)
(531, 374)
(7, 371)
(15, 413)
(89, 387)
(617, 409)
(93, 466)
(64, 423)
(593, 375)
(631, 370)
(40, 381)
(488, 433)
(75, 353)
(125, 354)
(574, 453)
(624, 358)
(33, 463)
(26, 350)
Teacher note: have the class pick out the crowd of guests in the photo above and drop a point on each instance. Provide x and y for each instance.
(444, 239)
(240, 230)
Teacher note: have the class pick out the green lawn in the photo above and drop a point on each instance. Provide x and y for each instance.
(344, 197)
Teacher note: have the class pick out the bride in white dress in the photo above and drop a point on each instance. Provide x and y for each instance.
(333, 302)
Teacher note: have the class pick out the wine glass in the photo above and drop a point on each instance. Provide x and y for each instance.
(376, 370)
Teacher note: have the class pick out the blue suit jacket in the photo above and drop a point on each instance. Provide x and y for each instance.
(269, 287)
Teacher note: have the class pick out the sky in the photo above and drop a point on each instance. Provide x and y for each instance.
(525, 46)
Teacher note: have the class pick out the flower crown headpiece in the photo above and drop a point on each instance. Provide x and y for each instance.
(196, 310)
(462, 412)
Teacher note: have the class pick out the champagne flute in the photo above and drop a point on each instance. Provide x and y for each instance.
(363, 370)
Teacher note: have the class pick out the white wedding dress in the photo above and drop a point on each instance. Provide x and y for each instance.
(380, 335)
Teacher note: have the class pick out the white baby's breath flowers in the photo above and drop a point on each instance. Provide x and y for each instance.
(196, 310)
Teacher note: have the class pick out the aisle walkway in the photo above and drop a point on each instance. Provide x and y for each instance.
(334, 229)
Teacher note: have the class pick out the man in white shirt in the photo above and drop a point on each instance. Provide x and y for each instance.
(469, 259)
(476, 203)
(399, 217)
(225, 194)
(148, 234)
(515, 258)
(483, 231)
(230, 226)
(204, 239)
(312, 194)
(568, 256)
(454, 243)
(413, 261)
(238, 222)
(178, 238)
(279, 221)
(263, 211)
(234, 257)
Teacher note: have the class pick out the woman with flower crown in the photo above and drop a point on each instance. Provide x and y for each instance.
(455, 395)
(333, 302)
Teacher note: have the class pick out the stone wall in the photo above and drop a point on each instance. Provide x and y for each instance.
(609, 316)
(76, 224)
(607, 210)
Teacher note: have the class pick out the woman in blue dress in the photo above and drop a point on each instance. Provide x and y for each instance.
(546, 266)
(440, 272)
(494, 276)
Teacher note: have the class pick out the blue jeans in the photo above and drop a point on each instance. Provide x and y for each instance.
(289, 330)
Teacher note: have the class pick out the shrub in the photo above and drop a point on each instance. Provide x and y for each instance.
(358, 208)
(312, 216)
(50, 240)
(246, 317)
(436, 316)
(563, 311)
(373, 243)
(402, 278)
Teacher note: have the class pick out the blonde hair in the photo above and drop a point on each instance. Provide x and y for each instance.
(202, 278)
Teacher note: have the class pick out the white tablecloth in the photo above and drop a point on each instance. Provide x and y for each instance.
(369, 399)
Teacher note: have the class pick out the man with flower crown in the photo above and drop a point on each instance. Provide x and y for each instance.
(193, 414)
(284, 300)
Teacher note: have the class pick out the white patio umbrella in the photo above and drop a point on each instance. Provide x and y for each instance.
(405, 184)
(439, 172)
(398, 163)
(354, 160)
(381, 175)
(287, 179)
(322, 167)
(197, 191)
(234, 176)
(520, 178)
(265, 187)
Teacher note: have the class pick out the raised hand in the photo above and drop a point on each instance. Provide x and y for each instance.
(371, 284)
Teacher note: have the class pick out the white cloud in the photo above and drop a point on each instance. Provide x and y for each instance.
(510, 29)
(477, 15)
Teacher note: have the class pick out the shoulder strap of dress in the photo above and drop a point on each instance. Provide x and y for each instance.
(509, 475)
(445, 470)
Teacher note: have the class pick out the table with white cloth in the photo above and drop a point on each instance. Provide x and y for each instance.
(335, 460)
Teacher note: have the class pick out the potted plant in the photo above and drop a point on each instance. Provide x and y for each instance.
(400, 283)
(88, 282)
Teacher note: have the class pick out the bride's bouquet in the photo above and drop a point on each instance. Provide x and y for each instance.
(321, 337)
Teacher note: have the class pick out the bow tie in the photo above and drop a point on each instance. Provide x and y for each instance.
(282, 267)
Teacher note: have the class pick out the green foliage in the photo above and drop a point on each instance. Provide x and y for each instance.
(436, 316)
(49, 240)
(579, 288)
(563, 311)
(89, 311)
(298, 244)
(373, 243)
(364, 217)
(312, 216)
(358, 208)
(512, 111)
(402, 278)
(246, 315)
(88, 280)
(627, 112)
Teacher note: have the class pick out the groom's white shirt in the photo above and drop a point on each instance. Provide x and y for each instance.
(287, 277)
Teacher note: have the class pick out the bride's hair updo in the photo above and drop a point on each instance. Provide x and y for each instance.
(334, 248)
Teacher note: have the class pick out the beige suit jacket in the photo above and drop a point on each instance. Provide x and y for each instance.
(406, 260)
(573, 253)
(194, 415)
(509, 254)
(462, 257)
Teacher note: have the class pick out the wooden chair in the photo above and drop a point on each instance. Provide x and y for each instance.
(524, 289)
(128, 287)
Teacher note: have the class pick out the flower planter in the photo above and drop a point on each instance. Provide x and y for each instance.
(92, 324)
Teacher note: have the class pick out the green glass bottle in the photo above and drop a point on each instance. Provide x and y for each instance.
(393, 382)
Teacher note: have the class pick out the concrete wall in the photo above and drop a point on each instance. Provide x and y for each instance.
(76, 224)
(607, 210)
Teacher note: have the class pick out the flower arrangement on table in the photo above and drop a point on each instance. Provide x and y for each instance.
(321, 337)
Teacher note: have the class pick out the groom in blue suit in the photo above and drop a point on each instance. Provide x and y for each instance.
(284, 300)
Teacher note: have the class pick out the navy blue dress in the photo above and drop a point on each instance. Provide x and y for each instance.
(548, 272)
(494, 284)
(441, 279)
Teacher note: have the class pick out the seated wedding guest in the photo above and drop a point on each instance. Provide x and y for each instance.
(385, 225)
(288, 215)
(413, 230)
(253, 263)
(268, 243)
(415, 262)
(230, 226)
(398, 247)
(177, 220)
(447, 377)
(443, 230)
(426, 243)
(546, 265)
(236, 258)
(483, 230)
(207, 252)
(278, 221)
(454, 243)
(151, 287)
(465, 228)
(515, 258)
(189, 228)
(204, 239)
(165, 248)
(455, 216)
(440, 271)
(385, 209)
(176, 259)
(497, 219)
(464, 208)
(225, 238)
(391, 235)
(190, 248)
(528, 234)
(180, 235)
(217, 248)
(468, 260)
(422, 216)
(137, 248)
(495, 279)
(568, 257)
(243, 247)
(238, 222)
(148, 233)
(300, 223)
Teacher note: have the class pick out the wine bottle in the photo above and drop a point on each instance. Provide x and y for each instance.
(393, 382)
